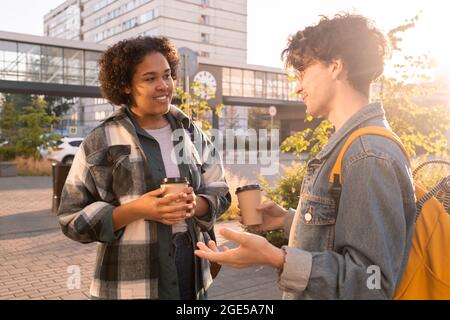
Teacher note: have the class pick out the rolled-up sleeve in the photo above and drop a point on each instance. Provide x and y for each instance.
(296, 270)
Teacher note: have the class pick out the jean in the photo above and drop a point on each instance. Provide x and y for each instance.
(184, 261)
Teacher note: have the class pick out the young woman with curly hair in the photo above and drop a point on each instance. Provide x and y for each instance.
(113, 193)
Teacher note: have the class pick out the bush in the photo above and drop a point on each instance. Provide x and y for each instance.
(287, 194)
(7, 153)
(287, 190)
(233, 181)
(276, 237)
(33, 167)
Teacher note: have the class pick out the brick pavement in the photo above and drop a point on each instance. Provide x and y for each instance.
(35, 255)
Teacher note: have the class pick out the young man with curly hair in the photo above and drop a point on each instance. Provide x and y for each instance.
(113, 193)
(355, 246)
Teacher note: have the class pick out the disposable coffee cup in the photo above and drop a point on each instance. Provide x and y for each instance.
(174, 185)
(249, 198)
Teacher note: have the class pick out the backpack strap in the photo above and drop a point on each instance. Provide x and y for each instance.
(336, 173)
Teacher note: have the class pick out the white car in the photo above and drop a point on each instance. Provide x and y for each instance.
(64, 151)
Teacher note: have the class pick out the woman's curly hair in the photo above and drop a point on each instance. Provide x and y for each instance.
(352, 38)
(118, 65)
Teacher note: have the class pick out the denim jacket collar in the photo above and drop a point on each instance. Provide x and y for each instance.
(371, 111)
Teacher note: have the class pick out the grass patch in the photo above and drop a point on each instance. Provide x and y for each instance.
(33, 167)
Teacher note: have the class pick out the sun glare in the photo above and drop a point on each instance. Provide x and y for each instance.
(430, 37)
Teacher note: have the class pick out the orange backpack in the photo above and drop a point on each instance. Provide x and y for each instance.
(427, 273)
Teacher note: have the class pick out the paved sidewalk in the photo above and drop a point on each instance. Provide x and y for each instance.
(35, 255)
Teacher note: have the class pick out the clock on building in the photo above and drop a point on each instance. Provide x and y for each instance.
(208, 80)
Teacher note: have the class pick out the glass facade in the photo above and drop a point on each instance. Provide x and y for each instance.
(51, 64)
(257, 84)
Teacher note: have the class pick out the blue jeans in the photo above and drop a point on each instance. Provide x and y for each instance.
(184, 261)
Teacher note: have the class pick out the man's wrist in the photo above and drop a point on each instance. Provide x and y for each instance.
(277, 257)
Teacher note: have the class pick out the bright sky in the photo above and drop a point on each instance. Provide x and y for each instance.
(270, 22)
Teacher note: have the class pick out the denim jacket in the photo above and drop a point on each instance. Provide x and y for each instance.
(360, 251)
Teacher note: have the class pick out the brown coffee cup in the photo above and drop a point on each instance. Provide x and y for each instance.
(249, 198)
(174, 185)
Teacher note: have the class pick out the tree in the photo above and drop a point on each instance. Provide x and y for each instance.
(35, 128)
(310, 140)
(231, 120)
(58, 106)
(195, 104)
(258, 118)
(8, 121)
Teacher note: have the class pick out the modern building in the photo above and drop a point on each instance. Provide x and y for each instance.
(215, 29)
(65, 21)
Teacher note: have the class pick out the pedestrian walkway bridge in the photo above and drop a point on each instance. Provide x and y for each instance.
(43, 65)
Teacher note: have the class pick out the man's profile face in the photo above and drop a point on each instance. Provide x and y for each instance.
(315, 86)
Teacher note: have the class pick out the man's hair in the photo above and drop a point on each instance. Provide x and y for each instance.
(118, 64)
(351, 38)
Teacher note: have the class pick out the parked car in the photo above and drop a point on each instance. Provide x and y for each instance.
(64, 151)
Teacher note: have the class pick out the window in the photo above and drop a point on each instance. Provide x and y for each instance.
(99, 115)
(236, 82)
(204, 54)
(204, 19)
(73, 66)
(91, 67)
(128, 25)
(51, 64)
(226, 81)
(100, 101)
(205, 37)
(75, 143)
(150, 15)
(249, 83)
(259, 84)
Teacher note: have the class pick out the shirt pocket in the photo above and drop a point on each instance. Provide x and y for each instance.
(317, 219)
(110, 169)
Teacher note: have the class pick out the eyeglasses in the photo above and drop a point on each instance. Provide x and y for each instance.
(300, 73)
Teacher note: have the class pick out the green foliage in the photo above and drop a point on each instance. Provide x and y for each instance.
(11, 106)
(277, 237)
(7, 153)
(195, 104)
(287, 194)
(35, 129)
(422, 129)
(231, 214)
(13, 126)
(287, 190)
(308, 140)
(58, 105)
(8, 121)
